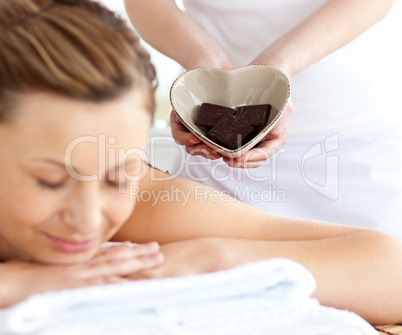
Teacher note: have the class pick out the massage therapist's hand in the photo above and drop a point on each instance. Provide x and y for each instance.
(20, 279)
(193, 257)
(269, 145)
(251, 159)
(180, 133)
(277, 137)
(193, 144)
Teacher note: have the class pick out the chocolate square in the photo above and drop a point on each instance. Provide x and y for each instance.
(255, 115)
(230, 132)
(210, 114)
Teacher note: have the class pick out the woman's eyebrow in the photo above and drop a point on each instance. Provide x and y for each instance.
(48, 161)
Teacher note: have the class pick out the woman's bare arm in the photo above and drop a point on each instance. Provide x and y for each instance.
(332, 26)
(172, 32)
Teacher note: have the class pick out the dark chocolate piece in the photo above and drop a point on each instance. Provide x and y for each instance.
(210, 114)
(255, 115)
(230, 132)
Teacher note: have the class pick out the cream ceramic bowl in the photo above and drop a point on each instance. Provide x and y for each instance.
(249, 85)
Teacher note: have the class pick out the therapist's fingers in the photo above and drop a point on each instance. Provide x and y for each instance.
(180, 133)
(254, 157)
(248, 165)
(275, 139)
(203, 150)
(193, 144)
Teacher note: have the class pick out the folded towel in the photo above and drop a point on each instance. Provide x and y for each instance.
(266, 297)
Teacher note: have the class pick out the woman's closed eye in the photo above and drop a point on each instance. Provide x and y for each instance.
(47, 173)
(115, 183)
(51, 184)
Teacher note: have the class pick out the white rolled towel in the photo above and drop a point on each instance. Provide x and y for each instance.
(266, 297)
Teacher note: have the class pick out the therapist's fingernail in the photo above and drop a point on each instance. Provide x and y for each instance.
(193, 141)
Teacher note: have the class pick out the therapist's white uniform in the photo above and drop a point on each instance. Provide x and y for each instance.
(342, 160)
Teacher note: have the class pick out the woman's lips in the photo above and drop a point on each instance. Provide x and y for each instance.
(71, 246)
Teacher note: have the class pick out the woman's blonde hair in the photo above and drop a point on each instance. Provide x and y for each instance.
(76, 48)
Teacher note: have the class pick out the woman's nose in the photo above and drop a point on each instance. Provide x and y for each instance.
(83, 214)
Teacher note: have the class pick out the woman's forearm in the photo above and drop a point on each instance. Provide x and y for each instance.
(359, 272)
(329, 28)
(172, 32)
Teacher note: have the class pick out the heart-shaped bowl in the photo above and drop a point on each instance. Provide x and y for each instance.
(249, 85)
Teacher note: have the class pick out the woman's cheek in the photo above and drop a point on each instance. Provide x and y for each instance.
(38, 205)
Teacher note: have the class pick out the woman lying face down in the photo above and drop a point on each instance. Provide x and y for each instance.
(76, 103)
(75, 89)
